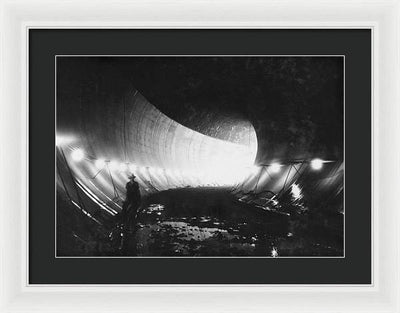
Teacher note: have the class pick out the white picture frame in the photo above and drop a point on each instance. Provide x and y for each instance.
(382, 17)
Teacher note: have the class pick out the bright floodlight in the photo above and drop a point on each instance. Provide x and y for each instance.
(77, 155)
(63, 140)
(59, 141)
(316, 164)
(275, 167)
(99, 163)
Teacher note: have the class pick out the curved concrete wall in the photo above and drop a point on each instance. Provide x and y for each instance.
(131, 135)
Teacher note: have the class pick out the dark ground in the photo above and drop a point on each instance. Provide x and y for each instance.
(203, 222)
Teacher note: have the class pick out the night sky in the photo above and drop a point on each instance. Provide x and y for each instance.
(294, 103)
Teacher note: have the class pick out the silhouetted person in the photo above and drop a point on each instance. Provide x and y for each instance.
(132, 199)
(129, 212)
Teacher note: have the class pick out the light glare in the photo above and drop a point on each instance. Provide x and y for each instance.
(77, 155)
(275, 168)
(316, 164)
(274, 252)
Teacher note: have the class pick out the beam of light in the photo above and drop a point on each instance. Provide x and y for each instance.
(296, 192)
(77, 155)
(62, 140)
(316, 164)
(275, 168)
(99, 163)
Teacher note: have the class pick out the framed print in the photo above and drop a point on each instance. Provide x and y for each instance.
(201, 161)
(242, 159)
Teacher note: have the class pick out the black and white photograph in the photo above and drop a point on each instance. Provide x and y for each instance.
(187, 157)
(199, 156)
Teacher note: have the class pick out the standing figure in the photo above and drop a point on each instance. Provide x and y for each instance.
(131, 204)
(129, 212)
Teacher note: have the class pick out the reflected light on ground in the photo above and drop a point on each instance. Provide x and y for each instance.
(274, 252)
(296, 192)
